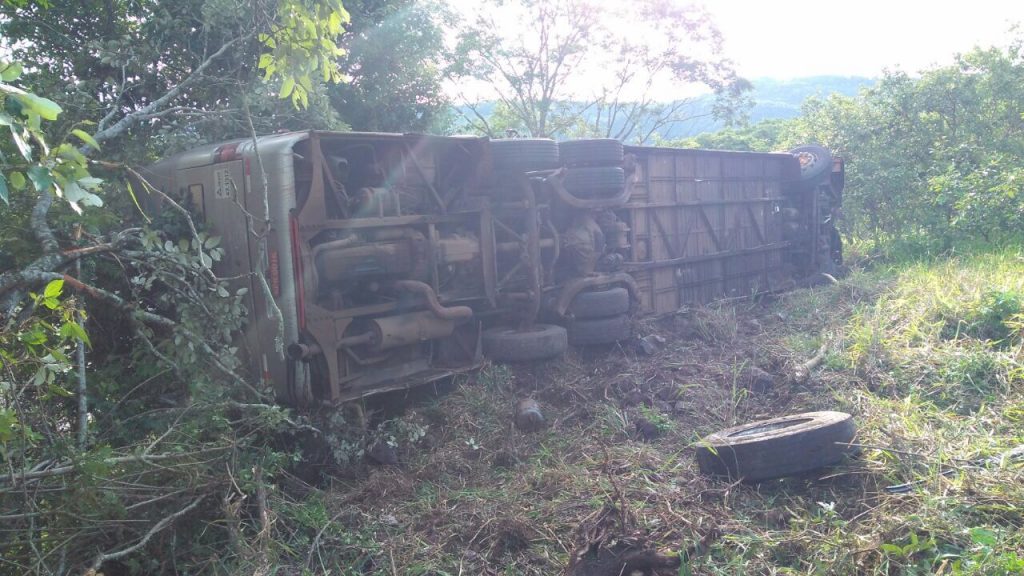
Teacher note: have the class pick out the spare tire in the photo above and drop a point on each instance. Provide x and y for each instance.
(539, 342)
(600, 303)
(600, 330)
(592, 152)
(778, 447)
(595, 181)
(815, 162)
(524, 154)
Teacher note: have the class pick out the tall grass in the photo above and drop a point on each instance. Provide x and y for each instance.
(926, 354)
(934, 368)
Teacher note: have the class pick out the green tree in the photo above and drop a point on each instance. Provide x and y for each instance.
(144, 70)
(766, 136)
(158, 438)
(394, 55)
(937, 158)
(596, 69)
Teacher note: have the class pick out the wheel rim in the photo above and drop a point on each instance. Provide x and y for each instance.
(808, 161)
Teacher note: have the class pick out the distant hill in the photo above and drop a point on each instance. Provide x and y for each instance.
(772, 99)
(783, 98)
(778, 99)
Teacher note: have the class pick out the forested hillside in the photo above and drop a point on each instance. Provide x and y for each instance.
(768, 99)
(773, 99)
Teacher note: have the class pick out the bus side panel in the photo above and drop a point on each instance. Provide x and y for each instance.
(217, 192)
(705, 226)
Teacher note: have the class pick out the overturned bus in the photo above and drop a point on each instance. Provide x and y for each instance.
(393, 260)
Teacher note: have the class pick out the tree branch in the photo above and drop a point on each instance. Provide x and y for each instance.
(131, 118)
(164, 523)
(40, 227)
(149, 318)
(67, 468)
(36, 272)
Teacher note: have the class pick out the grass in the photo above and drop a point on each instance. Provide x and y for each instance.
(927, 356)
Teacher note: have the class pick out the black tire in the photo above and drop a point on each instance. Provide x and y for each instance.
(593, 152)
(778, 447)
(540, 342)
(524, 154)
(600, 303)
(815, 162)
(595, 181)
(595, 331)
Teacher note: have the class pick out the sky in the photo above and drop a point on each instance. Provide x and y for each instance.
(784, 39)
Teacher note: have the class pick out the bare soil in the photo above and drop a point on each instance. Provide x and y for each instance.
(592, 489)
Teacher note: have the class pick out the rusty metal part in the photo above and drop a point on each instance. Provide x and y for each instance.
(345, 242)
(488, 251)
(405, 329)
(516, 296)
(300, 351)
(531, 255)
(714, 256)
(616, 237)
(305, 351)
(457, 249)
(584, 243)
(387, 258)
(577, 285)
(556, 243)
(376, 202)
(411, 155)
(442, 312)
(516, 246)
(357, 340)
(509, 275)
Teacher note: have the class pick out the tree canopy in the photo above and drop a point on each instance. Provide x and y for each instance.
(934, 159)
(88, 90)
(395, 52)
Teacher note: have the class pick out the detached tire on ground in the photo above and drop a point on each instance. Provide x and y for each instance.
(778, 447)
(591, 152)
(600, 330)
(594, 182)
(600, 303)
(539, 342)
(524, 154)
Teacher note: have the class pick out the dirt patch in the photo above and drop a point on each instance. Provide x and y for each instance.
(608, 482)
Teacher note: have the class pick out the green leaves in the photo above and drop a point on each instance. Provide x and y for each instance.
(10, 71)
(20, 141)
(86, 137)
(61, 171)
(287, 87)
(8, 425)
(933, 160)
(41, 178)
(53, 289)
(305, 45)
(44, 107)
(17, 180)
(74, 331)
(51, 295)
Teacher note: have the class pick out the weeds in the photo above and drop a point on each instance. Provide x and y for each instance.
(927, 356)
